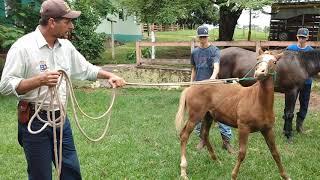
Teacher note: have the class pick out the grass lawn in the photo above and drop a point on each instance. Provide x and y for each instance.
(122, 53)
(142, 144)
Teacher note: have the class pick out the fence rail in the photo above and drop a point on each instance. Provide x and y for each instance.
(192, 44)
(160, 27)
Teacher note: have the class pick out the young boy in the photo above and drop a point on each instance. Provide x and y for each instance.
(205, 61)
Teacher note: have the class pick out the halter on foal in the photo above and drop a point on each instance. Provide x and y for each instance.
(249, 109)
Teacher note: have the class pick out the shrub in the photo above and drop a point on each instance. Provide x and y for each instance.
(87, 41)
(8, 35)
(24, 15)
(145, 52)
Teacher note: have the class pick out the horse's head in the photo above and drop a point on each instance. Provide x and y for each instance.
(266, 64)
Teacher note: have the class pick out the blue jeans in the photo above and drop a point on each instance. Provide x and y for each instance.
(225, 130)
(39, 153)
(304, 97)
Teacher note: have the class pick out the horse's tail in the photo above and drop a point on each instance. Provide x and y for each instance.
(181, 111)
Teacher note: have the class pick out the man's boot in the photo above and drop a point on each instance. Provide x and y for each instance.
(299, 125)
(226, 144)
(287, 127)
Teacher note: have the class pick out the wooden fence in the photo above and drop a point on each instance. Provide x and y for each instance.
(160, 27)
(255, 44)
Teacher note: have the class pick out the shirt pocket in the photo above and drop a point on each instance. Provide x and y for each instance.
(62, 64)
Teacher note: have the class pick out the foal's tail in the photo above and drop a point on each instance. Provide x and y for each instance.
(181, 111)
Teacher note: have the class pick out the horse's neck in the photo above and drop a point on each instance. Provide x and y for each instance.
(311, 62)
(266, 91)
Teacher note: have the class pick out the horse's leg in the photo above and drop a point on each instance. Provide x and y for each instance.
(290, 101)
(243, 140)
(184, 136)
(205, 135)
(268, 135)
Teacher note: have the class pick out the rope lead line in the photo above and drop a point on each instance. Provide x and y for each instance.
(210, 81)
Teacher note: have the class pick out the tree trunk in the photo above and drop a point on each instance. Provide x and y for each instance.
(227, 22)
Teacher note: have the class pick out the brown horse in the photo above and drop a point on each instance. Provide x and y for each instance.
(292, 70)
(249, 109)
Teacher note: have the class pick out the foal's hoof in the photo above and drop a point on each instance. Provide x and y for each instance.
(287, 178)
(201, 145)
(184, 177)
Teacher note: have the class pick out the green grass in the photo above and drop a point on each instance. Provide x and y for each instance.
(142, 144)
(122, 52)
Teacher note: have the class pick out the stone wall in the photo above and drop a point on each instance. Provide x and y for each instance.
(149, 74)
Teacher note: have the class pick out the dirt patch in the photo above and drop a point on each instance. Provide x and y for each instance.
(314, 103)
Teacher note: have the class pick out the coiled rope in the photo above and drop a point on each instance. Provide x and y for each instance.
(55, 122)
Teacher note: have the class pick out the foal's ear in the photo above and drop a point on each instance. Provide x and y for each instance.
(260, 51)
(278, 56)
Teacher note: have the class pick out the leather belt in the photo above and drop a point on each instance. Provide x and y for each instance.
(43, 112)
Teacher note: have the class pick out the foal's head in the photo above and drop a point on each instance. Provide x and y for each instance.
(265, 65)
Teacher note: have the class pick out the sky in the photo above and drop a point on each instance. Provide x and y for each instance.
(261, 20)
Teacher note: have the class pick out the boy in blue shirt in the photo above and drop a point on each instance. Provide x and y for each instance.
(304, 91)
(205, 61)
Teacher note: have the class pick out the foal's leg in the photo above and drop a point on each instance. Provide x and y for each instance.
(205, 135)
(268, 135)
(243, 140)
(184, 136)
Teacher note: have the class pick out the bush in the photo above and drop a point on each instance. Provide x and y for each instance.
(87, 41)
(131, 56)
(8, 35)
(24, 15)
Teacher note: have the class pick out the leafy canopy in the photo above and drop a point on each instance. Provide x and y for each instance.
(189, 11)
(87, 41)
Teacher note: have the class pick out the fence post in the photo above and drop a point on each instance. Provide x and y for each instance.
(138, 53)
(153, 39)
(258, 47)
(192, 44)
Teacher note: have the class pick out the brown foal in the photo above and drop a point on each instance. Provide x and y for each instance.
(250, 109)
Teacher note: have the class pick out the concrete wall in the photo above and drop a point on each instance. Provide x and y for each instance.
(124, 30)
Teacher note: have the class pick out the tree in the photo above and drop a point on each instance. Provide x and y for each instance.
(228, 17)
(194, 12)
(230, 11)
(167, 11)
(199, 12)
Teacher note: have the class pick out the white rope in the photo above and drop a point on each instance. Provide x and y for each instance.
(204, 82)
(58, 122)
